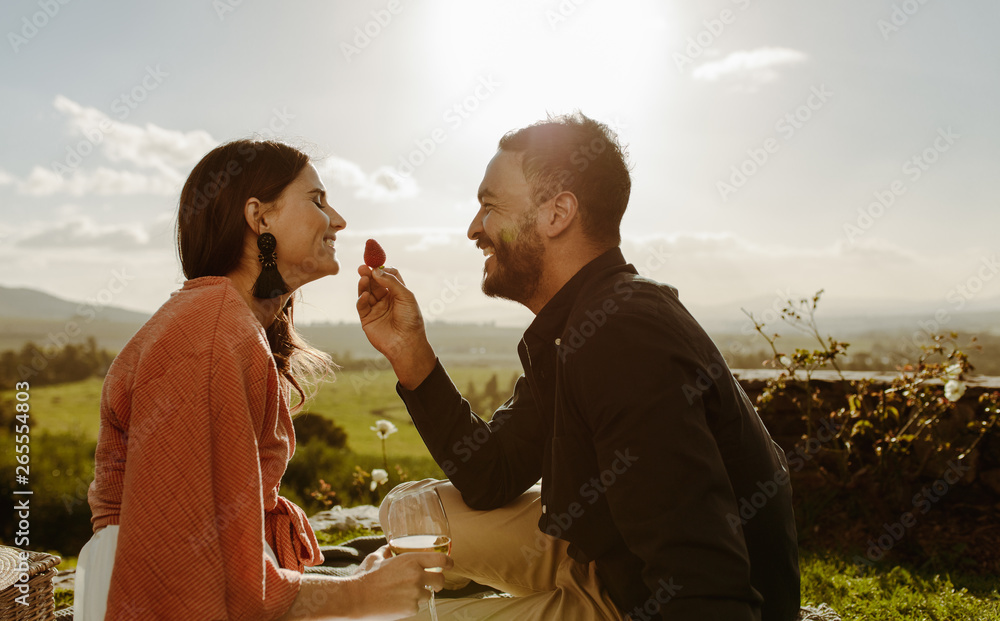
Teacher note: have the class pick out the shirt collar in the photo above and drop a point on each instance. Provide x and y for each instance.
(550, 321)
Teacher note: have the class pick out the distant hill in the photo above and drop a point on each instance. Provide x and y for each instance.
(27, 314)
(850, 317)
(24, 303)
(31, 315)
(454, 343)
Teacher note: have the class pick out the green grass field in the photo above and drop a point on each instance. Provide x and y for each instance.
(354, 401)
(896, 593)
(357, 399)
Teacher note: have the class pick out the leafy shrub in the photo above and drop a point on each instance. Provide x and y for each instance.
(315, 460)
(44, 366)
(61, 469)
(867, 448)
(309, 426)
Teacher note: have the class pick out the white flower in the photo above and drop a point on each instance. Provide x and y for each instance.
(954, 390)
(785, 361)
(953, 371)
(384, 429)
(379, 477)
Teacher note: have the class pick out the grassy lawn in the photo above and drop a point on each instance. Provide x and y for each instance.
(355, 401)
(72, 408)
(896, 593)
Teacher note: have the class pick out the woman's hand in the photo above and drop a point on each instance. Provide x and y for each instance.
(391, 319)
(392, 587)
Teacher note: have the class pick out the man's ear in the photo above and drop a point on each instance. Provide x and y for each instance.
(562, 212)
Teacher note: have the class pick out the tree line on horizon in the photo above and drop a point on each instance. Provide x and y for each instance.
(41, 366)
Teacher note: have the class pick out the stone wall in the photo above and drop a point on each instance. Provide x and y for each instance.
(787, 428)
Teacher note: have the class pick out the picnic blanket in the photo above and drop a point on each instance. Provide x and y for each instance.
(344, 559)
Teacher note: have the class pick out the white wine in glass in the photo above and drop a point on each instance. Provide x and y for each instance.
(421, 543)
(417, 523)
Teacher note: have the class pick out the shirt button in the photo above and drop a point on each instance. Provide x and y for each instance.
(543, 508)
(558, 341)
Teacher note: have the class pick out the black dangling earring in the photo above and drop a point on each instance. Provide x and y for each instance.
(269, 284)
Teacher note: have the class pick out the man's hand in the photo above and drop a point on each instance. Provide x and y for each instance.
(393, 324)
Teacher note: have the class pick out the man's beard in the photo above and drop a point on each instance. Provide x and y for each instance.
(517, 263)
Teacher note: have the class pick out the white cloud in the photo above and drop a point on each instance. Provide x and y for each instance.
(163, 158)
(83, 232)
(757, 65)
(439, 238)
(713, 269)
(102, 181)
(150, 147)
(161, 155)
(383, 185)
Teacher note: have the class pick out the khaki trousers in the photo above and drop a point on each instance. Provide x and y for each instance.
(504, 549)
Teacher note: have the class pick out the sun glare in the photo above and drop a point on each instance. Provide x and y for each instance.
(556, 56)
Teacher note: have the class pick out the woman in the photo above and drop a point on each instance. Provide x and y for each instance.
(195, 421)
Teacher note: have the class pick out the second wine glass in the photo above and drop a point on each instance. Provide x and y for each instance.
(416, 522)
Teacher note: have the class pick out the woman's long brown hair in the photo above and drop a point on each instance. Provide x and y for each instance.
(211, 227)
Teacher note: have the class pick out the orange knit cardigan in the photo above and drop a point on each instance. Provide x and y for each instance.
(195, 436)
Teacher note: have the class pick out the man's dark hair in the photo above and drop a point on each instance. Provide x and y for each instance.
(577, 154)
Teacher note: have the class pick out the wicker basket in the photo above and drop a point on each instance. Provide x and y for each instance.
(41, 570)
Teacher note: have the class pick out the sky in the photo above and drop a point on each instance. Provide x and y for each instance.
(777, 147)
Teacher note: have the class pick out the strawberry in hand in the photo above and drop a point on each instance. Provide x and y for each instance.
(374, 255)
(391, 319)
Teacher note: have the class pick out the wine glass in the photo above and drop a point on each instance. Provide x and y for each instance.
(416, 522)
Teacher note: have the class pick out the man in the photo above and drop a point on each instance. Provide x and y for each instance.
(645, 444)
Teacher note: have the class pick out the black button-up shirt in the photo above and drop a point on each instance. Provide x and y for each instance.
(653, 461)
